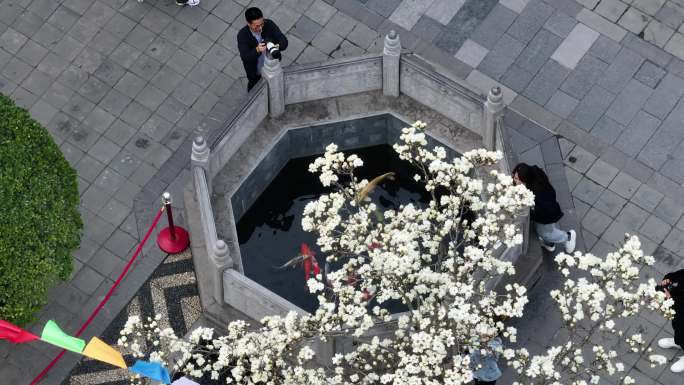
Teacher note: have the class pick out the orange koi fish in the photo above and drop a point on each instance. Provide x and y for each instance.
(309, 261)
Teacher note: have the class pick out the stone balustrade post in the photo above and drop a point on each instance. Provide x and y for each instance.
(272, 72)
(221, 261)
(523, 221)
(492, 118)
(200, 157)
(390, 64)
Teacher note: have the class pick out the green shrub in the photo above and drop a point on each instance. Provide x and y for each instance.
(39, 219)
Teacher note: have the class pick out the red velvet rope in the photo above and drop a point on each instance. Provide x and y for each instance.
(105, 299)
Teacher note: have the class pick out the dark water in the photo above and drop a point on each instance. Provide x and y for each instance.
(270, 232)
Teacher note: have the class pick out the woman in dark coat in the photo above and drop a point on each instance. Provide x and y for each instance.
(546, 211)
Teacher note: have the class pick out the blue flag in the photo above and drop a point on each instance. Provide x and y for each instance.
(152, 370)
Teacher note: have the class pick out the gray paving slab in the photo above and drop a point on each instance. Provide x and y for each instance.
(615, 233)
(587, 191)
(427, 28)
(546, 82)
(628, 102)
(89, 50)
(672, 169)
(501, 57)
(580, 159)
(672, 14)
(592, 107)
(634, 20)
(587, 72)
(531, 19)
(383, 7)
(637, 134)
(623, 67)
(650, 74)
(601, 25)
(596, 222)
(560, 24)
(655, 229)
(658, 33)
(538, 51)
(607, 129)
(610, 204)
(624, 185)
(575, 45)
(602, 173)
(516, 78)
(562, 104)
(611, 9)
(647, 198)
(632, 215)
(659, 147)
(667, 186)
(494, 26)
(362, 36)
(669, 211)
(665, 97)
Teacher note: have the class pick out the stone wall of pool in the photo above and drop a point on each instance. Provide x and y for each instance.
(334, 104)
(312, 140)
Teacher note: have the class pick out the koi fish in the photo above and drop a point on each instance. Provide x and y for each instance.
(363, 194)
(305, 257)
(309, 261)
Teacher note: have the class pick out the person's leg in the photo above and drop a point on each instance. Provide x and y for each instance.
(478, 382)
(550, 233)
(252, 82)
(678, 327)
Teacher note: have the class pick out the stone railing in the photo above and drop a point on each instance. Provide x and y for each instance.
(345, 76)
(228, 140)
(216, 249)
(392, 72)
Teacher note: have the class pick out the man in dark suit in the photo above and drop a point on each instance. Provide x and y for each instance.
(252, 40)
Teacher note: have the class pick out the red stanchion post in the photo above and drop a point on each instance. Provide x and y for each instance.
(172, 239)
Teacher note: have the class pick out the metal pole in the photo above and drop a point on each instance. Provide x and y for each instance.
(166, 198)
(172, 239)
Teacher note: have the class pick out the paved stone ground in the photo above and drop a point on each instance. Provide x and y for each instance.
(172, 292)
(121, 85)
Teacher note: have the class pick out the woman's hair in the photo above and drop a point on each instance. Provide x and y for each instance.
(533, 177)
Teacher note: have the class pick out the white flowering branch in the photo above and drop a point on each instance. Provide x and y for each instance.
(439, 261)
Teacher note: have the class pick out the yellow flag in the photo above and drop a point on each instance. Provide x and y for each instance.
(99, 350)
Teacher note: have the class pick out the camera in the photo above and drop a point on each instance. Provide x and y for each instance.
(273, 50)
(672, 287)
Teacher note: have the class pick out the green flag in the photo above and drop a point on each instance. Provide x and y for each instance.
(52, 334)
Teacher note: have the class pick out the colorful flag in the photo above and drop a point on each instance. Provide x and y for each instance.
(52, 334)
(152, 370)
(14, 333)
(99, 350)
(184, 381)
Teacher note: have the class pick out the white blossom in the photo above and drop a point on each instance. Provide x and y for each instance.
(426, 258)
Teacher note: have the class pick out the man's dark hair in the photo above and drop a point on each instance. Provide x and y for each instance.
(252, 14)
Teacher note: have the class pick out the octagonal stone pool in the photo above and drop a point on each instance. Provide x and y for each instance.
(270, 232)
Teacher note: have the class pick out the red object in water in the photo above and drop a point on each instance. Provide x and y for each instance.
(309, 261)
(172, 239)
(14, 333)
